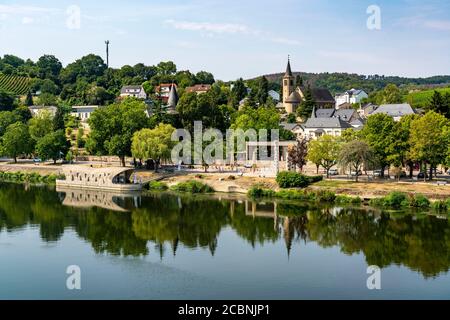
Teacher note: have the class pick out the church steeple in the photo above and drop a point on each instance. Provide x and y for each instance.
(288, 68)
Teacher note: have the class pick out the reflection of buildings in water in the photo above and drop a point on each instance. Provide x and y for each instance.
(292, 227)
(262, 210)
(89, 198)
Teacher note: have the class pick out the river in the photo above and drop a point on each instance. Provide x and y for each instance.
(168, 246)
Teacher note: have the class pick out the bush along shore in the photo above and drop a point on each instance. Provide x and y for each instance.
(28, 177)
(191, 186)
(394, 200)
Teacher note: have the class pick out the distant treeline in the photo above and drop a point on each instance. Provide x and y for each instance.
(340, 82)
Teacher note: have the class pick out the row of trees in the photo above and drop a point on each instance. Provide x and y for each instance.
(42, 136)
(383, 143)
(88, 80)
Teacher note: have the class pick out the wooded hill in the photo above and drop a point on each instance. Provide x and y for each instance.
(340, 82)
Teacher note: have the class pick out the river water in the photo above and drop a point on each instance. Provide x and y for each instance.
(168, 246)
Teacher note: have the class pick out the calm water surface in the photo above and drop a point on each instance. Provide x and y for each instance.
(165, 246)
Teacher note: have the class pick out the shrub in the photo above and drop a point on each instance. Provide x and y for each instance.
(192, 187)
(157, 185)
(315, 179)
(440, 206)
(395, 200)
(324, 196)
(288, 179)
(341, 199)
(295, 195)
(419, 201)
(376, 202)
(29, 177)
(258, 192)
(448, 204)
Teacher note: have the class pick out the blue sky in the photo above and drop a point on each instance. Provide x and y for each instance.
(235, 39)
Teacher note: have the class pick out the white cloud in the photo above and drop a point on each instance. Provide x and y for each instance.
(360, 57)
(210, 27)
(287, 41)
(443, 25)
(25, 10)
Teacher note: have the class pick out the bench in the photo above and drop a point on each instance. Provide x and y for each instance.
(441, 183)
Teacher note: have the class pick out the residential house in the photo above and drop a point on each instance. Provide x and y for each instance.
(199, 88)
(83, 112)
(351, 96)
(35, 110)
(163, 91)
(275, 95)
(133, 91)
(297, 129)
(317, 126)
(365, 110)
(396, 111)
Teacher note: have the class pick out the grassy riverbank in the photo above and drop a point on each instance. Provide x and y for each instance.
(394, 200)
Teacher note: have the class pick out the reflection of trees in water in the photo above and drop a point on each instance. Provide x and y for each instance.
(164, 222)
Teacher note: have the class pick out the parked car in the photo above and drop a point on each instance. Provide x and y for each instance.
(448, 172)
(37, 160)
(333, 172)
(354, 173)
(377, 173)
(422, 175)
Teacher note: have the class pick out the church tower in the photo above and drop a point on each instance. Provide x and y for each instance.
(288, 82)
(291, 98)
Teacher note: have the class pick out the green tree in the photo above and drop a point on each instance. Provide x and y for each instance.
(378, 134)
(325, 151)
(53, 146)
(16, 141)
(262, 90)
(112, 128)
(58, 119)
(355, 154)
(400, 146)
(7, 101)
(204, 77)
(153, 144)
(440, 104)
(47, 99)
(392, 94)
(238, 92)
(41, 125)
(6, 119)
(428, 140)
(49, 67)
(29, 99)
(307, 105)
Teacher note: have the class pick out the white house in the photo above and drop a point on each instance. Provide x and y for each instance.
(396, 111)
(318, 125)
(83, 112)
(297, 129)
(35, 110)
(351, 96)
(133, 91)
